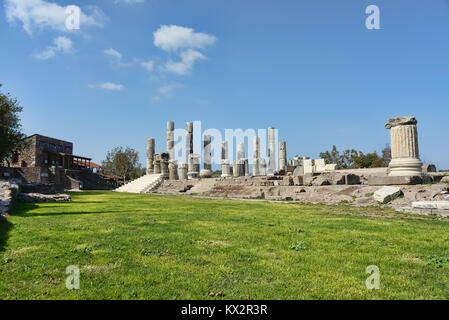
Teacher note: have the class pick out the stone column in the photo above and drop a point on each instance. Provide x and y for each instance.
(183, 171)
(207, 172)
(235, 171)
(164, 169)
(271, 151)
(157, 164)
(189, 140)
(224, 150)
(240, 151)
(173, 171)
(262, 167)
(225, 168)
(283, 155)
(246, 166)
(194, 166)
(171, 140)
(404, 147)
(256, 164)
(150, 156)
(256, 145)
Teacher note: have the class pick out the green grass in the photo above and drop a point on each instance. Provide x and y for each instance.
(177, 247)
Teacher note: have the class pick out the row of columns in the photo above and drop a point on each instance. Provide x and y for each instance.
(166, 164)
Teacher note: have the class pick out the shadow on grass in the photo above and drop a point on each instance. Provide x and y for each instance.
(5, 228)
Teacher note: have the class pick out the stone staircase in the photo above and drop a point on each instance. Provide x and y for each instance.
(143, 184)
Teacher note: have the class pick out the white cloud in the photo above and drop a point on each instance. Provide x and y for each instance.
(43, 14)
(61, 44)
(166, 91)
(148, 65)
(108, 86)
(116, 57)
(172, 38)
(188, 58)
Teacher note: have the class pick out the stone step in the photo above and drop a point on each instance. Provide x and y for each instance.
(439, 205)
(141, 184)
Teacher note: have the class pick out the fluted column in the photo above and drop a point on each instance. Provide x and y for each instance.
(225, 166)
(404, 147)
(171, 140)
(271, 151)
(150, 156)
(189, 140)
(240, 151)
(282, 155)
(207, 172)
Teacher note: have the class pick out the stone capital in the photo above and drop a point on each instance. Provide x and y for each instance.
(400, 121)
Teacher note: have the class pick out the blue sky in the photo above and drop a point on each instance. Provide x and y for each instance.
(309, 68)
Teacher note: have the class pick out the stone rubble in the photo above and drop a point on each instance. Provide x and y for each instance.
(8, 191)
(386, 194)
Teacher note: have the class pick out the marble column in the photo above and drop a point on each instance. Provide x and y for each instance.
(225, 168)
(150, 156)
(157, 164)
(189, 140)
(282, 155)
(240, 151)
(183, 171)
(262, 167)
(256, 155)
(404, 147)
(224, 150)
(194, 166)
(173, 171)
(171, 140)
(207, 161)
(246, 166)
(271, 151)
(164, 168)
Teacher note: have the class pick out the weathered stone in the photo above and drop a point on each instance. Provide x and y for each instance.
(189, 140)
(298, 181)
(39, 197)
(400, 121)
(173, 171)
(225, 169)
(404, 147)
(262, 167)
(207, 172)
(287, 181)
(330, 167)
(394, 180)
(445, 179)
(282, 155)
(271, 151)
(352, 179)
(387, 194)
(193, 166)
(299, 171)
(164, 169)
(320, 165)
(439, 205)
(308, 166)
(171, 140)
(150, 155)
(183, 169)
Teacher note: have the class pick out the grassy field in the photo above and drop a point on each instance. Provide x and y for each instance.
(173, 247)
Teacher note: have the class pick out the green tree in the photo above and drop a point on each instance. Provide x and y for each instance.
(353, 159)
(123, 162)
(386, 154)
(11, 136)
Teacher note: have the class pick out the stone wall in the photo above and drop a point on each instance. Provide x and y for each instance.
(9, 191)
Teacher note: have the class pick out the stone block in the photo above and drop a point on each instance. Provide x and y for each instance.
(352, 179)
(439, 205)
(445, 179)
(330, 167)
(394, 180)
(429, 168)
(287, 181)
(387, 194)
(298, 181)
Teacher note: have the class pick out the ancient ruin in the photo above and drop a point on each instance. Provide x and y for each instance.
(296, 179)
